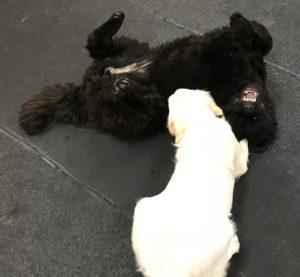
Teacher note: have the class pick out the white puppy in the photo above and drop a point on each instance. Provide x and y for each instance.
(186, 230)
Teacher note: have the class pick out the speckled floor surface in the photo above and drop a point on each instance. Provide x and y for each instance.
(66, 196)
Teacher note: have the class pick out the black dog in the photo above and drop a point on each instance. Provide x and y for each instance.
(125, 89)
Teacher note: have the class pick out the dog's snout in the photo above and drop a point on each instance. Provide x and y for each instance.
(248, 108)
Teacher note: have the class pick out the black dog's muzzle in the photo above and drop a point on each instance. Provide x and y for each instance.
(248, 99)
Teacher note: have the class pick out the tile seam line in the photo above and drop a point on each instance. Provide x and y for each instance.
(175, 23)
(9, 133)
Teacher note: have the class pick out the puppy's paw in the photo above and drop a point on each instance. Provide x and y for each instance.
(244, 145)
(241, 160)
(120, 86)
(234, 246)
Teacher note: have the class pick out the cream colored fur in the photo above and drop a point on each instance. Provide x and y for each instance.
(186, 230)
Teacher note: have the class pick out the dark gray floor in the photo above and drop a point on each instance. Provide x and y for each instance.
(66, 197)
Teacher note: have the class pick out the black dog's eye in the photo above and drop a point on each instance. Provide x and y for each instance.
(235, 101)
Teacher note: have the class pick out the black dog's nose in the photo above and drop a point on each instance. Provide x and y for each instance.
(248, 108)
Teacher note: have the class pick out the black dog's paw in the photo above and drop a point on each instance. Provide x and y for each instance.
(115, 21)
(120, 86)
(117, 16)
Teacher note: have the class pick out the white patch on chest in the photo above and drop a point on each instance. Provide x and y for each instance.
(134, 67)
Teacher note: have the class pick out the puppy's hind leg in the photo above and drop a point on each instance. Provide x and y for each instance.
(233, 247)
(241, 158)
(100, 43)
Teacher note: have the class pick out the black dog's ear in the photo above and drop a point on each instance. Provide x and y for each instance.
(250, 34)
(242, 31)
(237, 20)
(263, 41)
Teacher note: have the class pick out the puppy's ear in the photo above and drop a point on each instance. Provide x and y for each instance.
(176, 129)
(213, 106)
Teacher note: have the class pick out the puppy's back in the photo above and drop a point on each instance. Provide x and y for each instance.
(185, 230)
(170, 240)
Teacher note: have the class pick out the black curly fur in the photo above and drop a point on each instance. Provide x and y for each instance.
(224, 61)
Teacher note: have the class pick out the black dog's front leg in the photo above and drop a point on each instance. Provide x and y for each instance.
(100, 43)
(125, 87)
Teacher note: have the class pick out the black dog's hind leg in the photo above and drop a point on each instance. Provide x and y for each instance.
(100, 43)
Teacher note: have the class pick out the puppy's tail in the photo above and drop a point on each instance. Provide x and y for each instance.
(60, 102)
